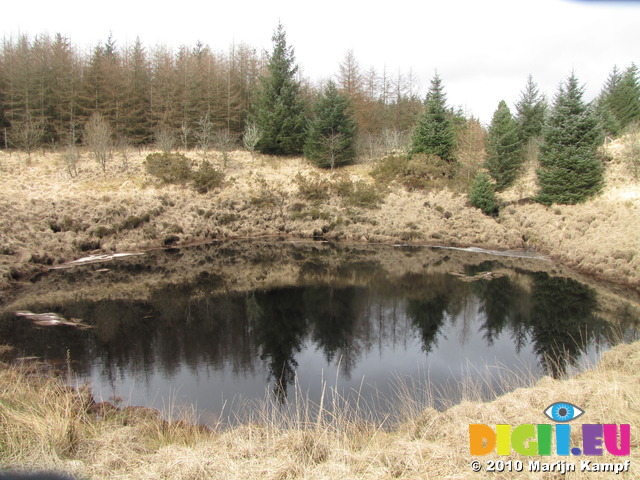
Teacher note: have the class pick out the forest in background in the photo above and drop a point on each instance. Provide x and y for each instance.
(50, 86)
(52, 95)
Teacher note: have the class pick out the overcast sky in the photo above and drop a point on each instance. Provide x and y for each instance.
(483, 50)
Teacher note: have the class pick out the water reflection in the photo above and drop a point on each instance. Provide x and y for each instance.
(347, 316)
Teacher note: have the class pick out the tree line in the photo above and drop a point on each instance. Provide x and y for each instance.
(568, 132)
(49, 89)
(50, 94)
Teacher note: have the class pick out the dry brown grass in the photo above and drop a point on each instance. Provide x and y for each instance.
(599, 237)
(44, 425)
(49, 217)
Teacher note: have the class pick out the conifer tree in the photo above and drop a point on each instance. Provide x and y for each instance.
(570, 170)
(504, 152)
(482, 194)
(530, 112)
(619, 102)
(136, 109)
(280, 111)
(608, 121)
(630, 105)
(435, 133)
(607, 103)
(330, 141)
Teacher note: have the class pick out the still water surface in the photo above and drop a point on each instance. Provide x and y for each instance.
(355, 321)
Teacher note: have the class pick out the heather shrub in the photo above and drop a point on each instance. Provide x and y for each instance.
(312, 187)
(169, 167)
(207, 178)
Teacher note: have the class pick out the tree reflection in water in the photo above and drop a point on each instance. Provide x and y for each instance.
(344, 313)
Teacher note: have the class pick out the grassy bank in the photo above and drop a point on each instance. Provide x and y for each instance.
(45, 425)
(50, 217)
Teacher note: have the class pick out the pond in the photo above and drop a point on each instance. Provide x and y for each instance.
(216, 326)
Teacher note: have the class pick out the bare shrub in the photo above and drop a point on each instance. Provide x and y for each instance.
(204, 134)
(470, 150)
(123, 146)
(251, 137)
(369, 145)
(395, 141)
(97, 136)
(27, 134)
(70, 158)
(224, 141)
(185, 131)
(165, 139)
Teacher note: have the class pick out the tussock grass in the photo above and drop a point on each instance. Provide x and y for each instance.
(599, 237)
(46, 425)
(51, 217)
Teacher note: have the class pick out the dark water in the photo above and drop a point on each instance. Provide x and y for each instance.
(343, 321)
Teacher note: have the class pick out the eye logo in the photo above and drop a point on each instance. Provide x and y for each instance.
(563, 412)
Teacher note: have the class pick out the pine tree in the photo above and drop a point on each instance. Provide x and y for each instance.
(280, 111)
(482, 194)
(570, 170)
(330, 141)
(435, 133)
(530, 112)
(504, 151)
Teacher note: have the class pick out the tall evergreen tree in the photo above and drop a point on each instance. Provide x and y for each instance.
(630, 86)
(280, 111)
(608, 102)
(136, 110)
(504, 151)
(619, 102)
(103, 85)
(330, 141)
(530, 112)
(608, 121)
(570, 170)
(435, 133)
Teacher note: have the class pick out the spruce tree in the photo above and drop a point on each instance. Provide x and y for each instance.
(530, 112)
(619, 102)
(330, 141)
(630, 105)
(482, 194)
(608, 121)
(570, 170)
(504, 152)
(280, 110)
(435, 133)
